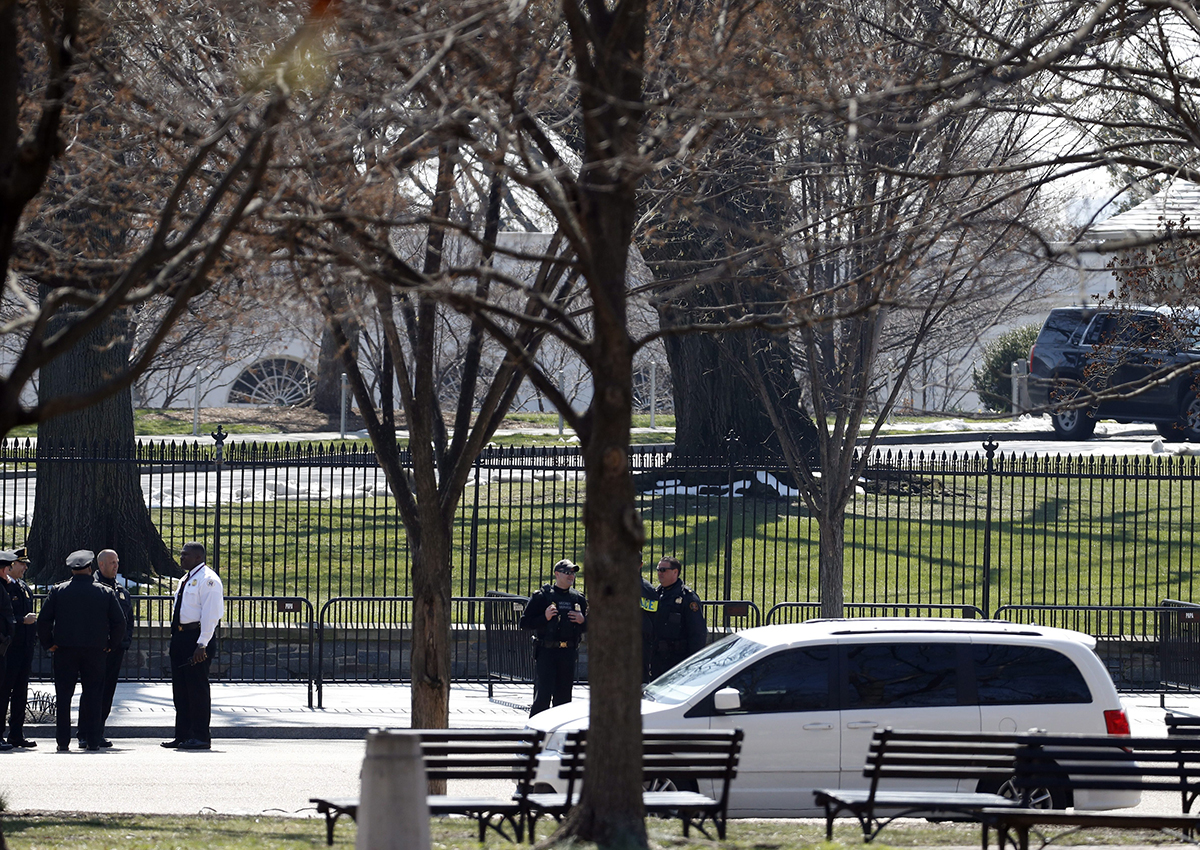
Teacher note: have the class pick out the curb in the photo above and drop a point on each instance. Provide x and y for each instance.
(330, 733)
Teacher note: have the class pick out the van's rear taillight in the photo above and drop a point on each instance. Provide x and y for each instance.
(1032, 348)
(1115, 722)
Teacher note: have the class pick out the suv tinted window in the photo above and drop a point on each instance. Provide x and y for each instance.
(792, 680)
(1060, 326)
(1026, 674)
(902, 674)
(1128, 330)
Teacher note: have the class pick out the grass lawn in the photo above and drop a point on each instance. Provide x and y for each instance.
(217, 832)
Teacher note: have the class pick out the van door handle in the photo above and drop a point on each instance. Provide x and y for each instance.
(862, 724)
(818, 727)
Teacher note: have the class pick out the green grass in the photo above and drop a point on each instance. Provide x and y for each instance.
(218, 832)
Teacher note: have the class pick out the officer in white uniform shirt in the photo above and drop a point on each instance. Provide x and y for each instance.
(198, 607)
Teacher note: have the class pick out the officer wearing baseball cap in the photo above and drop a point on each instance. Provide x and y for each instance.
(557, 616)
(79, 622)
(14, 691)
(8, 625)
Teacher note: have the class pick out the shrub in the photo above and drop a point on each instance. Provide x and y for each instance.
(991, 377)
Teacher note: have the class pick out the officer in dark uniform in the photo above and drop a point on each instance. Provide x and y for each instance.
(108, 563)
(8, 625)
(14, 691)
(557, 616)
(79, 622)
(679, 628)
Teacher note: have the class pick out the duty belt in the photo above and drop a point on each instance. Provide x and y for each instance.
(557, 644)
(188, 627)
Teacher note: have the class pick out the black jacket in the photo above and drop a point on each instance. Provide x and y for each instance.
(558, 629)
(8, 621)
(22, 604)
(679, 627)
(81, 613)
(126, 602)
(649, 606)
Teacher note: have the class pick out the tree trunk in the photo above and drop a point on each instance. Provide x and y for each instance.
(610, 812)
(327, 396)
(831, 561)
(739, 205)
(708, 374)
(431, 591)
(81, 503)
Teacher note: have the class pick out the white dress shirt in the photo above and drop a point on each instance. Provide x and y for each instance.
(203, 601)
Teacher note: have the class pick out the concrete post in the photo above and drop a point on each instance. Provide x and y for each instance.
(1019, 371)
(392, 811)
(344, 387)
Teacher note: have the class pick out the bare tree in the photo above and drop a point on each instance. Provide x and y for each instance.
(130, 155)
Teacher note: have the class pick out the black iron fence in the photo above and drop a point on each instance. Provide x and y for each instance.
(942, 534)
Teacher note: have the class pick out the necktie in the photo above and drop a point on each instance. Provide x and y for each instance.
(179, 603)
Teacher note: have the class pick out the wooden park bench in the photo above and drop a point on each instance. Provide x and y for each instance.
(1074, 762)
(671, 760)
(927, 758)
(450, 754)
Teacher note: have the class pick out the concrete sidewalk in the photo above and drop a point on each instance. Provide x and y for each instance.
(145, 710)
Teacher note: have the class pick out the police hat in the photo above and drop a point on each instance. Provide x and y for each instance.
(565, 566)
(7, 556)
(22, 554)
(81, 559)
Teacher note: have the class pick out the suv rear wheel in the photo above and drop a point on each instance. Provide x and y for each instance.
(1074, 424)
(1187, 426)
(1040, 798)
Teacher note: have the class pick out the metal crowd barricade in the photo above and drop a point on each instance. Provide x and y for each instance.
(734, 614)
(369, 639)
(509, 651)
(1179, 645)
(798, 612)
(1129, 638)
(260, 639)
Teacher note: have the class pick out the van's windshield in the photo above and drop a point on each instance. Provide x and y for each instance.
(688, 678)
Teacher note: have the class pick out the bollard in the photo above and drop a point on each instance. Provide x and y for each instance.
(392, 811)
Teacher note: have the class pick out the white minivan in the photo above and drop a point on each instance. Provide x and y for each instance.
(809, 696)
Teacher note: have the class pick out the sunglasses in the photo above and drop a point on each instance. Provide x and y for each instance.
(665, 569)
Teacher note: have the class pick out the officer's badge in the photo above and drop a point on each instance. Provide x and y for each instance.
(695, 606)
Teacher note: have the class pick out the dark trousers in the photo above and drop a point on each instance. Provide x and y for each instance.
(14, 689)
(85, 666)
(189, 688)
(554, 674)
(112, 670)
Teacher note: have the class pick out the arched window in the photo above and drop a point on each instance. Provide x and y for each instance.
(277, 380)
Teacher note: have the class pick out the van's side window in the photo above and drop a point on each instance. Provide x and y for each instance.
(792, 680)
(1023, 675)
(902, 674)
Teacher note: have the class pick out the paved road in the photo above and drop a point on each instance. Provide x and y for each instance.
(238, 776)
(268, 768)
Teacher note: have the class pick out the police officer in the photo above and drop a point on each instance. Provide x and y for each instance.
(8, 625)
(649, 607)
(14, 691)
(108, 563)
(79, 622)
(199, 605)
(679, 628)
(557, 616)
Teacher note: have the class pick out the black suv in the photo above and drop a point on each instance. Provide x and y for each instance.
(1144, 356)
